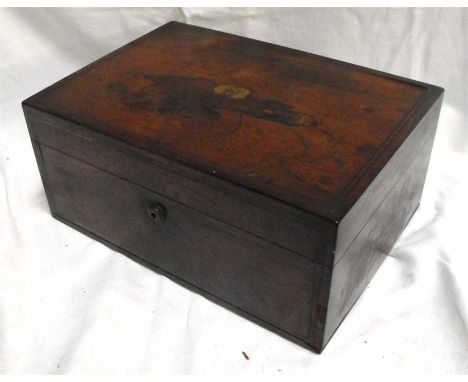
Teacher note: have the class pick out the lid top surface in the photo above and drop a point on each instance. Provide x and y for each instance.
(310, 131)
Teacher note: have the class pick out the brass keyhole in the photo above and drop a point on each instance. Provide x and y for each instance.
(157, 213)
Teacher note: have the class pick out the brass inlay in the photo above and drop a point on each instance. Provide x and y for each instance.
(232, 91)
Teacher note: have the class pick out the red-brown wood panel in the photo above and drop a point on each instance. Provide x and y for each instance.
(293, 125)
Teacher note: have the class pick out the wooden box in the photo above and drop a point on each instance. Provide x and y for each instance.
(270, 180)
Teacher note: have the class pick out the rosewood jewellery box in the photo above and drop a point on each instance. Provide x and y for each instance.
(269, 180)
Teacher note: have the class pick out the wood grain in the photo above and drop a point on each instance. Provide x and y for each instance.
(269, 180)
(307, 129)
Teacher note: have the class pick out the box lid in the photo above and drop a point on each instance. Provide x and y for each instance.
(307, 130)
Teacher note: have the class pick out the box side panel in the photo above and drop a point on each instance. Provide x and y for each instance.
(363, 258)
(396, 168)
(271, 220)
(31, 119)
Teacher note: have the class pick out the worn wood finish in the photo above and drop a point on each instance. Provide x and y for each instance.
(355, 269)
(270, 180)
(231, 204)
(187, 244)
(302, 128)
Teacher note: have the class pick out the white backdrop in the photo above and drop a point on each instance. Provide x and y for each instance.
(69, 304)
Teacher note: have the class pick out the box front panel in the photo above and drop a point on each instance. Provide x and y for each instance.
(263, 280)
(271, 220)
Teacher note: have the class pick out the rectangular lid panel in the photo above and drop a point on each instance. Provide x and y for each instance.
(294, 126)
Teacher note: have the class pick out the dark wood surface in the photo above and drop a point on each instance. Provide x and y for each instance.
(357, 266)
(269, 180)
(395, 169)
(271, 220)
(202, 251)
(307, 130)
